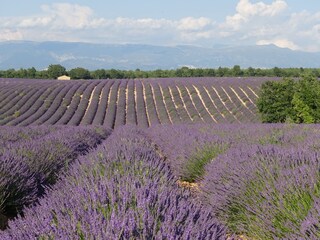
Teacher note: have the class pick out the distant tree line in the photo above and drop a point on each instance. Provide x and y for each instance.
(55, 70)
(291, 101)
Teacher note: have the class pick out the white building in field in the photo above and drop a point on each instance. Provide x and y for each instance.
(64, 77)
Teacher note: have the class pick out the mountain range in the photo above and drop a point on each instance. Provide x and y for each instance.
(26, 54)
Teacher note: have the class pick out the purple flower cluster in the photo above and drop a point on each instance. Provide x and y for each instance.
(258, 181)
(29, 164)
(122, 190)
(264, 185)
(263, 191)
(180, 143)
(11, 135)
(310, 226)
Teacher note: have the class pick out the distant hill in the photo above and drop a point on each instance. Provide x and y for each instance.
(25, 54)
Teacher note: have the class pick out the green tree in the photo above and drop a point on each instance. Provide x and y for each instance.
(43, 74)
(31, 72)
(209, 72)
(275, 100)
(99, 74)
(297, 101)
(222, 72)
(184, 72)
(198, 72)
(236, 71)
(115, 74)
(306, 100)
(157, 73)
(79, 73)
(260, 72)
(277, 72)
(56, 70)
(21, 73)
(302, 112)
(10, 73)
(251, 72)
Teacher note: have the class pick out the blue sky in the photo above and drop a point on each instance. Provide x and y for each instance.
(171, 9)
(293, 24)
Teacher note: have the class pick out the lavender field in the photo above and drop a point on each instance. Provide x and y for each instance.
(151, 159)
(142, 102)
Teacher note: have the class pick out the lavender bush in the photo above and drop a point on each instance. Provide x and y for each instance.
(187, 148)
(123, 190)
(260, 181)
(263, 192)
(26, 167)
(310, 227)
(11, 135)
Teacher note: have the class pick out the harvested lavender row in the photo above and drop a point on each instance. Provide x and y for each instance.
(123, 190)
(28, 166)
(143, 102)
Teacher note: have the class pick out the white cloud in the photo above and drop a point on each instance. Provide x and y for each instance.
(35, 22)
(72, 22)
(60, 16)
(69, 15)
(282, 43)
(193, 24)
(253, 22)
(262, 23)
(10, 35)
(192, 37)
(143, 23)
(246, 11)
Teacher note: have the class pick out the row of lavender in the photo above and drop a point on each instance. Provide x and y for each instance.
(144, 102)
(32, 158)
(256, 181)
(261, 181)
(122, 190)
